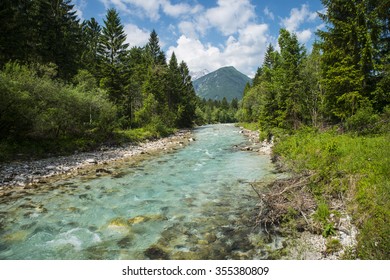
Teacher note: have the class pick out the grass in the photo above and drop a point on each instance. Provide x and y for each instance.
(354, 168)
(247, 125)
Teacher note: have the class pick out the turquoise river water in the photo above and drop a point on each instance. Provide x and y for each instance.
(190, 204)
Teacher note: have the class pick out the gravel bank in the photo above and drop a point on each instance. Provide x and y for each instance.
(22, 174)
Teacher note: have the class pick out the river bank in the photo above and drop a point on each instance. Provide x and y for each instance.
(27, 174)
(347, 178)
(289, 207)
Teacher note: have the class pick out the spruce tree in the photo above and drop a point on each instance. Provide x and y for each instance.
(290, 82)
(352, 57)
(153, 48)
(112, 53)
(91, 39)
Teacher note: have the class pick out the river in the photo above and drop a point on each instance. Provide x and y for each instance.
(194, 203)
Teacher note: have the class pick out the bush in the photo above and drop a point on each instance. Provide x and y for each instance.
(32, 104)
(364, 122)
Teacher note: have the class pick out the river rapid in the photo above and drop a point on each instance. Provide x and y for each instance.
(194, 203)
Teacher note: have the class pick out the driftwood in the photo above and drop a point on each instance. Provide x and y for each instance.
(284, 199)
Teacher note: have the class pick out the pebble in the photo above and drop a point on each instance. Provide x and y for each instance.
(25, 172)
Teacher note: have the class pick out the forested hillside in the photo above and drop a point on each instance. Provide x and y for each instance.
(328, 111)
(79, 83)
(226, 82)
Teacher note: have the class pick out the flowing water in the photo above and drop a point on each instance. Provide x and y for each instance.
(194, 203)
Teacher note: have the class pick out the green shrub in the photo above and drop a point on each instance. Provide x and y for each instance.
(364, 122)
(354, 167)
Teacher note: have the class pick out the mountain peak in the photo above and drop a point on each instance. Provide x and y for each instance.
(225, 82)
(199, 74)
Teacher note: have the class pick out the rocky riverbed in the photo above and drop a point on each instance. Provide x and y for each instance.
(262, 147)
(27, 174)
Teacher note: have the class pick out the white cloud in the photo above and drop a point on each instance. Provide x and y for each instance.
(151, 8)
(230, 15)
(268, 13)
(188, 29)
(196, 55)
(176, 10)
(304, 35)
(296, 19)
(244, 52)
(79, 6)
(136, 36)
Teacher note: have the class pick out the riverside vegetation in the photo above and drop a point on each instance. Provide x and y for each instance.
(328, 113)
(69, 86)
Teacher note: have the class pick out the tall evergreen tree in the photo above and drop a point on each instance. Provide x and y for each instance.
(43, 31)
(154, 50)
(112, 53)
(58, 35)
(291, 56)
(13, 34)
(174, 84)
(352, 53)
(187, 106)
(91, 39)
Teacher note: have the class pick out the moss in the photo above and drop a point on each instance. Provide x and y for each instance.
(333, 245)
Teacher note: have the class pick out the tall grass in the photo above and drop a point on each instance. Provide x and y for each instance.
(355, 168)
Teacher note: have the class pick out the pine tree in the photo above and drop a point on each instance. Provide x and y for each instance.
(174, 83)
(58, 35)
(352, 46)
(13, 35)
(91, 38)
(290, 82)
(41, 31)
(187, 104)
(112, 53)
(154, 50)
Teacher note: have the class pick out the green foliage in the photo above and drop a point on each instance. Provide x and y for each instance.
(333, 245)
(353, 55)
(322, 213)
(43, 32)
(364, 122)
(36, 106)
(156, 129)
(215, 112)
(346, 165)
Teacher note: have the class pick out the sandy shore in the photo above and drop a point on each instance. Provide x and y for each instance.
(27, 174)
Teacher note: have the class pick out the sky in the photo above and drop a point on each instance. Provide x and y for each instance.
(211, 34)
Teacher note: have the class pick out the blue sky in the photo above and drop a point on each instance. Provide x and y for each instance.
(211, 34)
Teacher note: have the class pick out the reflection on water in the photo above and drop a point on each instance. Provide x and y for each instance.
(191, 204)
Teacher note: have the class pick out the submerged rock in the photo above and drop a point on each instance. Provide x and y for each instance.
(16, 236)
(156, 253)
(146, 218)
(125, 242)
